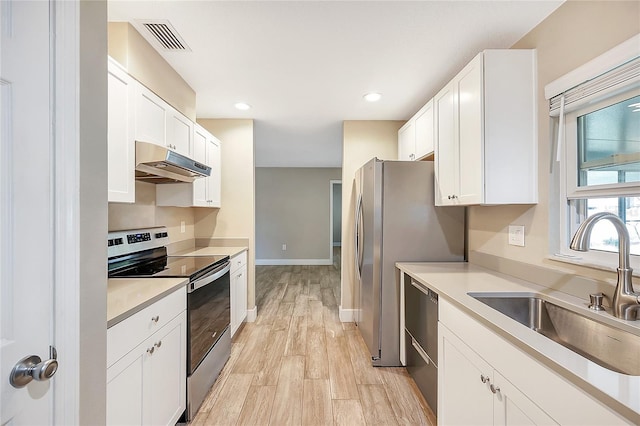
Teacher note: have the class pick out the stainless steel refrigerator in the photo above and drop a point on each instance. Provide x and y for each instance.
(396, 221)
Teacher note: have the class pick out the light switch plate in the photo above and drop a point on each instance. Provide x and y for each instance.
(516, 235)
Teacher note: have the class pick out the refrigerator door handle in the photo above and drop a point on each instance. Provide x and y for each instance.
(358, 238)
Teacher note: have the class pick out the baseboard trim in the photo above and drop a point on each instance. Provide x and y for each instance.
(252, 314)
(294, 261)
(347, 315)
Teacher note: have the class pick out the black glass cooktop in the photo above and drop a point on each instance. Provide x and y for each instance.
(170, 266)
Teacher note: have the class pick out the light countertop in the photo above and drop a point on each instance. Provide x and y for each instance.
(211, 251)
(126, 296)
(453, 281)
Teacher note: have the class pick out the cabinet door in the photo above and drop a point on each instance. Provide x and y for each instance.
(407, 142)
(463, 398)
(121, 143)
(238, 298)
(124, 390)
(179, 132)
(470, 129)
(200, 146)
(446, 164)
(151, 117)
(214, 182)
(512, 407)
(424, 131)
(165, 378)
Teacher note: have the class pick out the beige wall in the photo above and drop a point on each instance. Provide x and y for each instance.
(574, 34)
(362, 140)
(146, 65)
(293, 208)
(144, 213)
(236, 218)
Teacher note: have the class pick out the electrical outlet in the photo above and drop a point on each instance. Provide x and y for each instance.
(516, 235)
(284, 247)
(183, 227)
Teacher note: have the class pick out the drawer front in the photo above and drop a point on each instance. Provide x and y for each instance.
(421, 317)
(238, 261)
(126, 335)
(423, 372)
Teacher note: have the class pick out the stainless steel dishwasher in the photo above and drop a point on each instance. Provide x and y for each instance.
(421, 339)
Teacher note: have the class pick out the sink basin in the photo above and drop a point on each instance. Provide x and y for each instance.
(607, 346)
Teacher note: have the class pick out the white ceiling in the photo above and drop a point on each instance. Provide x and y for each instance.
(304, 65)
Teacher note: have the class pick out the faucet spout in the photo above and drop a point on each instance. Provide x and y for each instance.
(626, 302)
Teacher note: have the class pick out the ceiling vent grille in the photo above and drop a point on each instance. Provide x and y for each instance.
(165, 35)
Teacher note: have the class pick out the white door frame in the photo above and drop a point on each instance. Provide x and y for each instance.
(332, 182)
(79, 76)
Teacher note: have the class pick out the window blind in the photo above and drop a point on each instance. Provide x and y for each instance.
(608, 83)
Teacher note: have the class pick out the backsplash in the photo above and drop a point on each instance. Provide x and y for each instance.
(144, 213)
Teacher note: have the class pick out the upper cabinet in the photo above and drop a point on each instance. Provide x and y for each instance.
(203, 192)
(120, 133)
(485, 132)
(159, 123)
(415, 138)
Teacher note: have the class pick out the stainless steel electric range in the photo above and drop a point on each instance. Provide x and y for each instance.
(143, 253)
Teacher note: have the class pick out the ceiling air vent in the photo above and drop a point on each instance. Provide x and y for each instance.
(167, 37)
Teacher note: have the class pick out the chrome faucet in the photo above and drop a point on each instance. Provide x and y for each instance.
(626, 302)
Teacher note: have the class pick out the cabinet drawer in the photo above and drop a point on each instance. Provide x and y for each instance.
(423, 371)
(126, 335)
(238, 261)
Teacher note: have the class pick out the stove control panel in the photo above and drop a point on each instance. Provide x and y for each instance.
(138, 238)
(132, 240)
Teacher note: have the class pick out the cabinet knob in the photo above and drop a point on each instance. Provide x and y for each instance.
(151, 350)
(494, 389)
(156, 318)
(484, 379)
(158, 344)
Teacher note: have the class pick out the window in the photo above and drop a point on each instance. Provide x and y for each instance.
(598, 123)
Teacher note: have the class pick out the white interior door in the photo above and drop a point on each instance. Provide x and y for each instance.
(26, 213)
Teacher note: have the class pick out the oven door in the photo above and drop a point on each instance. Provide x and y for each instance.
(208, 313)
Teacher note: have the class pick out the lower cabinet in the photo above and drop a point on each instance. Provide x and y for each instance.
(473, 392)
(147, 386)
(238, 290)
(483, 379)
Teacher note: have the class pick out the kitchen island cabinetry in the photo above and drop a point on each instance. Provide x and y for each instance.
(120, 133)
(203, 192)
(485, 132)
(238, 290)
(146, 364)
(483, 379)
(415, 138)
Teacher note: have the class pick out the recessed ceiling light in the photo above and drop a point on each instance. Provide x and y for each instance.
(372, 97)
(242, 106)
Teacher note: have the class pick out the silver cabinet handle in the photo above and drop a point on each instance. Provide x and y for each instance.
(151, 350)
(156, 318)
(158, 344)
(494, 389)
(484, 379)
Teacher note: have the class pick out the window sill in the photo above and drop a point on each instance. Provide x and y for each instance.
(579, 261)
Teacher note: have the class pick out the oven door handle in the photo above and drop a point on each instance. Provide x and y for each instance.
(209, 278)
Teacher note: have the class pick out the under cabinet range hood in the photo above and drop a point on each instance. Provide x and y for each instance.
(157, 164)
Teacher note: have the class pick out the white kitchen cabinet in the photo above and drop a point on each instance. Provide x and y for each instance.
(407, 141)
(146, 381)
(472, 392)
(203, 192)
(120, 133)
(159, 123)
(485, 134)
(415, 138)
(238, 290)
(526, 390)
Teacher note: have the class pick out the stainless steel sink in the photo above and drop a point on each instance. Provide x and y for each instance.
(603, 344)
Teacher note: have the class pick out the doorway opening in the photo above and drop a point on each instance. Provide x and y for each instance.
(335, 227)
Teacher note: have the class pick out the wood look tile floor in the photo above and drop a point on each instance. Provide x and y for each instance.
(299, 365)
